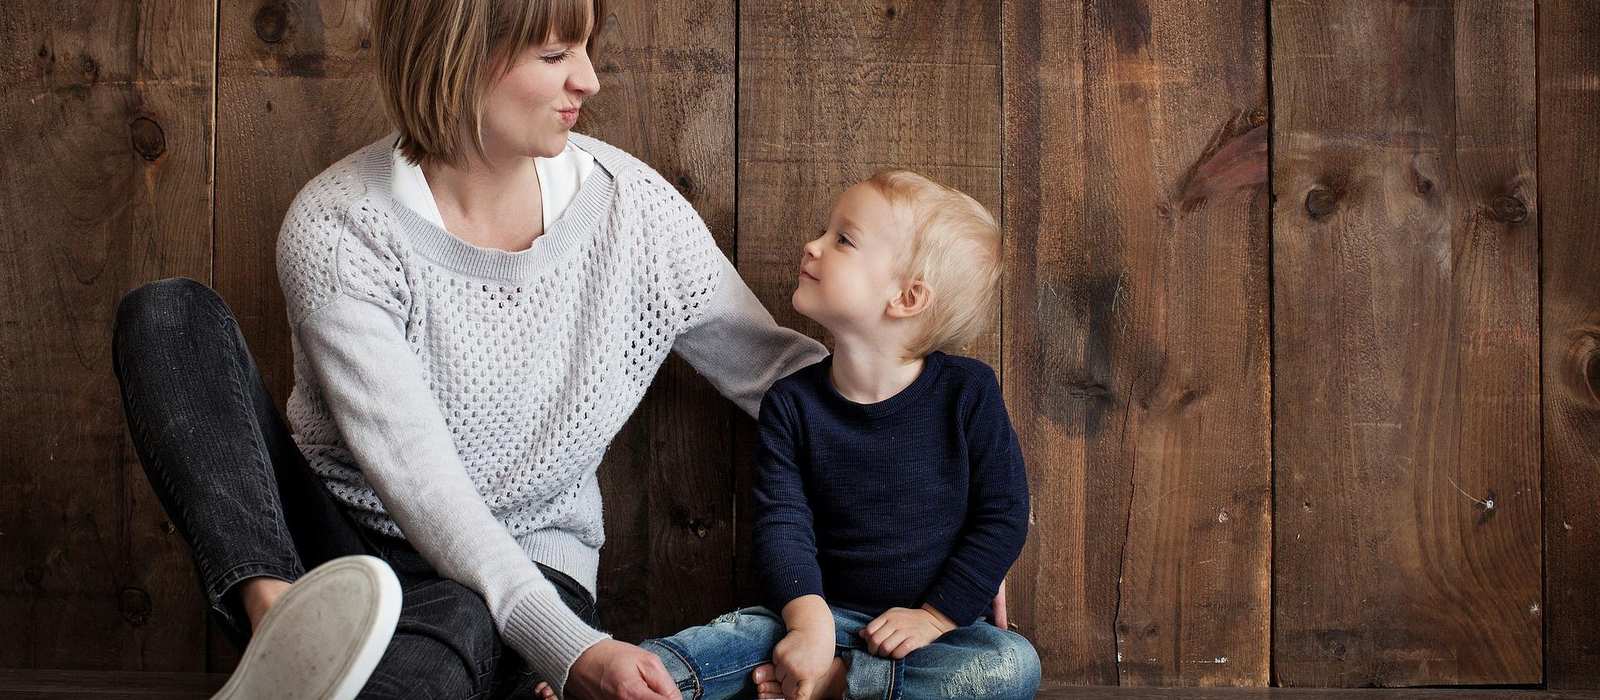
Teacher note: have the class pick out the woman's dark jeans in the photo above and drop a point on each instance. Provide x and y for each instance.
(237, 487)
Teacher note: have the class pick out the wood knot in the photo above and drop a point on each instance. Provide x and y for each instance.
(1585, 367)
(1320, 202)
(698, 527)
(1508, 208)
(889, 12)
(271, 23)
(685, 185)
(149, 140)
(135, 605)
(1258, 116)
(34, 576)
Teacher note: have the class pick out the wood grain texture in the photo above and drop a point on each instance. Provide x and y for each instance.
(295, 94)
(1136, 337)
(105, 107)
(1407, 546)
(1569, 165)
(667, 72)
(831, 92)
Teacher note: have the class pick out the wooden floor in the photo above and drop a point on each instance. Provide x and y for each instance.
(109, 685)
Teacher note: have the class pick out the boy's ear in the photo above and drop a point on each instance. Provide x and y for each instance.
(913, 299)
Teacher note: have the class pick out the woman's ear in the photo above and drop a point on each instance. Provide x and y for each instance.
(912, 300)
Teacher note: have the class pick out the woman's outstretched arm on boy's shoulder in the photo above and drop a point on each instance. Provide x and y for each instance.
(726, 335)
(738, 346)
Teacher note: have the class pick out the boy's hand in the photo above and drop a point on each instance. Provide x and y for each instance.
(802, 658)
(900, 631)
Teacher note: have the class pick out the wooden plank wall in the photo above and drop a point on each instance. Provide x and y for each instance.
(1301, 328)
(1406, 344)
(1569, 167)
(1135, 344)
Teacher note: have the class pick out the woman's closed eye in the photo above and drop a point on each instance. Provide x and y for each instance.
(557, 58)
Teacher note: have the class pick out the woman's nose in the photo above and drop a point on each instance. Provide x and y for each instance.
(583, 80)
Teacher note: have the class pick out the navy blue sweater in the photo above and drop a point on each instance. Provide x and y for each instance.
(919, 498)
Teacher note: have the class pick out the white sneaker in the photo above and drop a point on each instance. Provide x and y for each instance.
(323, 637)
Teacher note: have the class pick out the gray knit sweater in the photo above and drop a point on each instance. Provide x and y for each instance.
(462, 397)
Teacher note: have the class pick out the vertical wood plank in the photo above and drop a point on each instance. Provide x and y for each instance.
(1407, 543)
(667, 74)
(830, 92)
(1569, 165)
(1136, 338)
(295, 94)
(106, 113)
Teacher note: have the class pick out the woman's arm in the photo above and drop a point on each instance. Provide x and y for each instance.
(725, 332)
(737, 345)
(375, 389)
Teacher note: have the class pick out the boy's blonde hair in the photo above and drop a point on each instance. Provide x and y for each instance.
(437, 59)
(955, 251)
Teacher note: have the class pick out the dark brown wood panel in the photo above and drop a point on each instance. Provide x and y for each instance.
(831, 92)
(1136, 338)
(295, 94)
(1569, 165)
(667, 73)
(1407, 545)
(105, 107)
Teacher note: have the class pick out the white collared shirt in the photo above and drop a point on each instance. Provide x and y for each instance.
(559, 179)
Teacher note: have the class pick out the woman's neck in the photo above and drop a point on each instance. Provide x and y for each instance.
(498, 206)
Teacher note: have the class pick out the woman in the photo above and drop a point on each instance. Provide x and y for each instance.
(477, 303)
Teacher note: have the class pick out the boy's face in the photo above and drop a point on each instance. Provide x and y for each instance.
(850, 273)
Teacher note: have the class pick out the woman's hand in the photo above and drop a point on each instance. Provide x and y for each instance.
(802, 659)
(613, 670)
(900, 631)
(1000, 618)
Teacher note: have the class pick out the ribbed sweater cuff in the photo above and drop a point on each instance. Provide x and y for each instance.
(549, 635)
(793, 582)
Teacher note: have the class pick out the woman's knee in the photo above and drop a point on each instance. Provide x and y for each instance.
(444, 645)
(165, 307)
(459, 616)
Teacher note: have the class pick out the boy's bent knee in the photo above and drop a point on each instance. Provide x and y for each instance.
(1005, 666)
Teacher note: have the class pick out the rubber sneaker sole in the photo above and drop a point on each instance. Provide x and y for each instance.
(323, 637)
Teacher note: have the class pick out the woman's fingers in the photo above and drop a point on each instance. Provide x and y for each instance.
(658, 680)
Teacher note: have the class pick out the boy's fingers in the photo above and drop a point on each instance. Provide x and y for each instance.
(874, 625)
(764, 673)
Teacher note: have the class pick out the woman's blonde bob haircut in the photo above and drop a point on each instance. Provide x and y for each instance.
(955, 251)
(438, 58)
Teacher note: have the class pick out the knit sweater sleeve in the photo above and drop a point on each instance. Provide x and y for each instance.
(347, 296)
(726, 334)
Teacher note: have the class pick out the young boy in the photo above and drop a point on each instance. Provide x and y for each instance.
(890, 495)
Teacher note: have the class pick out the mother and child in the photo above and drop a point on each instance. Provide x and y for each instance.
(477, 302)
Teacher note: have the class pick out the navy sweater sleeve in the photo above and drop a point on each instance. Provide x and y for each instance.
(784, 541)
(997, 518)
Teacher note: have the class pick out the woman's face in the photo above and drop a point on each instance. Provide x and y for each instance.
(530, 110)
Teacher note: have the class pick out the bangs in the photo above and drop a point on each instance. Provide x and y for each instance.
(532, 23)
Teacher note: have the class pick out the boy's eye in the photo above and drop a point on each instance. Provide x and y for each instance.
(846, 240)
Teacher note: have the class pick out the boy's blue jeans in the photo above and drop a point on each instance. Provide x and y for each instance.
(979, 661)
